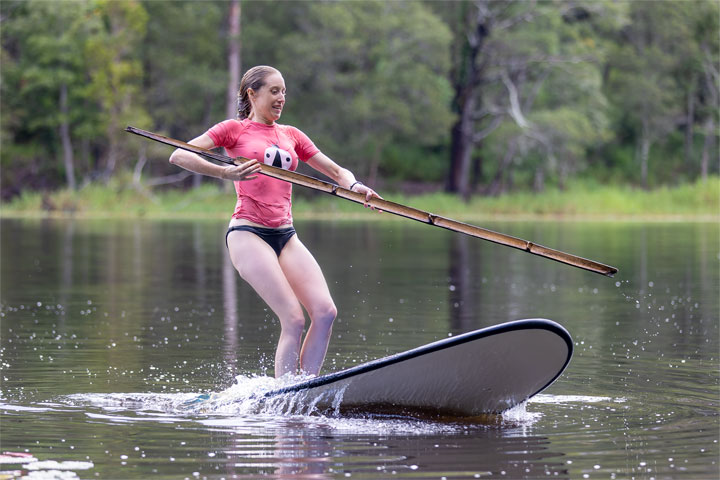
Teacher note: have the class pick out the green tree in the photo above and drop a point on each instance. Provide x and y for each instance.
(641, 79)
(184, 65)
(184, 73)
(370, 74)
(116, 31)
(42, 90)
(527, 91)
(703, 106)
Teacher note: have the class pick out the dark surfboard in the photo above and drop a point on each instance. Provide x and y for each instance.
(486, 371)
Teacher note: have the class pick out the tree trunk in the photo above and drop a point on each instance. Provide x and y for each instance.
(644, 154)
(689, 124)
(563, 173)
(462, 148)
(711, 87)
(539, 180)
(497, 185)
(477, 171)
(234, 64)
(68, 157)
(139, 165)
(112, 154)
(466, 79)
(707, 146)
(86, 164)
(375, 164)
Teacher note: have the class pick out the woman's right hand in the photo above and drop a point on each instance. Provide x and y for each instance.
(242, 172)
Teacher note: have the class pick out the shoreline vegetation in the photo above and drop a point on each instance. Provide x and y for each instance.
(580, 200)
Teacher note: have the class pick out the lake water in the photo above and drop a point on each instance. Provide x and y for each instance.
(108, 327)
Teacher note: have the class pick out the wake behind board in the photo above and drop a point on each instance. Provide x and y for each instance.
(485, 371)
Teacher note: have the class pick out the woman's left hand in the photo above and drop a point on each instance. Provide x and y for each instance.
(369, 193)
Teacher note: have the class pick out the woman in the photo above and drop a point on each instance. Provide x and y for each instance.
(262, 242)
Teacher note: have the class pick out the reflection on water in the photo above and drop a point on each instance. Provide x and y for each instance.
(109, 328)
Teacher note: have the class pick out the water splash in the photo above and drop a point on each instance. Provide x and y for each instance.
(519, 415)
(245, 397)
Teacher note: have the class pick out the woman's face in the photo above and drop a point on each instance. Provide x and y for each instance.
(268, 101)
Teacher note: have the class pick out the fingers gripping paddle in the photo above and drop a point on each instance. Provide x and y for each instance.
(391, 207)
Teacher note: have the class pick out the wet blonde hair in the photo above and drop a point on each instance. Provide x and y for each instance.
(255, 79)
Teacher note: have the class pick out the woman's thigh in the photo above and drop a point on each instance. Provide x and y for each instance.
(305, 277)
(258, 265)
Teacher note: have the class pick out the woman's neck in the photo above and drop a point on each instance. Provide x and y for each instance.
(259, 119)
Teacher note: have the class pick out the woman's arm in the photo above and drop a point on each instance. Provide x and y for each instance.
(195, 163)
(344, 177)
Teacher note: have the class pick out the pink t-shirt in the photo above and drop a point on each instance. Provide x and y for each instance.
(264, 200)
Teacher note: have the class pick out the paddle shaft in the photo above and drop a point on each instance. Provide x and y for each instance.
(391, 207)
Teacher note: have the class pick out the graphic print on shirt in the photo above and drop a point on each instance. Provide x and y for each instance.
(277, 157)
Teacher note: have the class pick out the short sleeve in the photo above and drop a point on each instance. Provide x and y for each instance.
(221, 133)
(304, 147)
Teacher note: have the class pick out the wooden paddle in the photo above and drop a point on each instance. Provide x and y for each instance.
(392, 207)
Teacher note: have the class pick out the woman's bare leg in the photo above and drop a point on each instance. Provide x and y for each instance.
(258, 265)
(306, 278)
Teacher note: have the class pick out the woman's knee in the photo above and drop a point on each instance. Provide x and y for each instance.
(293, 324)
(324, 315)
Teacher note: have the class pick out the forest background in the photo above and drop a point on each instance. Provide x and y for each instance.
(471, 98)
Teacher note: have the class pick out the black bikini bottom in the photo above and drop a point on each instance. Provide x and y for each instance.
(276, 238)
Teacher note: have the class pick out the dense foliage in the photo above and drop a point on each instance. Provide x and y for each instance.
(476, 96)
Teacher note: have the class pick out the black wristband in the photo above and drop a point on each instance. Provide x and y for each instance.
(351, 186)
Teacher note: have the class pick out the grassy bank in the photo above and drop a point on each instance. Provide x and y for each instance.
(697, 201)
